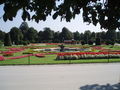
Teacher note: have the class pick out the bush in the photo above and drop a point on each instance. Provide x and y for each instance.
(90, 42)
(1, 43)
(110, 42)
(83, 42)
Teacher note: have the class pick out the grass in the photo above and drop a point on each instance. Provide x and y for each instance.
(51, 59)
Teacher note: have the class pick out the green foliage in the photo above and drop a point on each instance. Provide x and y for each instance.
(66, 34)
(1, 43)
(98, 41)
(90, 42)
(2, 35)
(110, 42)
(76, 35)
(105, 13)
(82, 42)
(7, 40)
(32, 35)
(16, 35)
(48, 34)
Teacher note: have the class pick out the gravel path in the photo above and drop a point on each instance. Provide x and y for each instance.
(58, 77)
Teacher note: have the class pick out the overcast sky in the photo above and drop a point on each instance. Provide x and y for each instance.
(56, 25)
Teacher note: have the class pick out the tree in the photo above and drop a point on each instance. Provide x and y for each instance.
(87, 35)
(16, 35)
(48, 34)
(76, 35)
(7, 40)
(56, 38)
(24, 28)
(98, 41)
(40, 36)
(66, 34)
(93, 36)
(103, 35)
(81, 36)
(2, 35)
(32, 35)
(105, 13)
(110, 35)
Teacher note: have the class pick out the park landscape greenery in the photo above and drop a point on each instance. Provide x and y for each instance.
(25, 55)
(24, 35)
(106, 13)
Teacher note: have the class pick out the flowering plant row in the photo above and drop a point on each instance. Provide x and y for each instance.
(16, 49)
(87, 55)
(2, 58)
(8, 53)
(39, 55)
(18, 57)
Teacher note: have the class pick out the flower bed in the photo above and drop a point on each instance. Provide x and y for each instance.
(7, 53)
(2, 58)
(39, 55)
(87, 55)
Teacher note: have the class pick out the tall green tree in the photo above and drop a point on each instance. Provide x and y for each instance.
(16, 35)
(40, 36)
(76, 35)
(24, 28)
(56, 38)
(66, 34)
(32, 35)
(2, 35)
(7, 40)
(110, 35)
(48, 34)
(87, 35)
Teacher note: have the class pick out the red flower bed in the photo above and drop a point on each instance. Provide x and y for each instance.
(18, 57)
(16, 49)
(88, 55)
(2, 58)
(8, 53)
(39, 55)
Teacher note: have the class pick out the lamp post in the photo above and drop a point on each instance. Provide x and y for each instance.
(108, 57)
(28, 57)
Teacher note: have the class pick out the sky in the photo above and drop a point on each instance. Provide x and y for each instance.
(56, 25)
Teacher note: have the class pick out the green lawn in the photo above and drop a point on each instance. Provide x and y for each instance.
(51, 59)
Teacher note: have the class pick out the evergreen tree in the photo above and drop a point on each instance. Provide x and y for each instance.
(7, 40)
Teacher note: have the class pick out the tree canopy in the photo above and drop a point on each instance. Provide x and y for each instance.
(104, 12)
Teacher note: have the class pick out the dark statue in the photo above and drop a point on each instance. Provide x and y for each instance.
(61, 48)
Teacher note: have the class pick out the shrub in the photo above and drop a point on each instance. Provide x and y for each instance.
(90, 42)
(83, 42)
(110, 42)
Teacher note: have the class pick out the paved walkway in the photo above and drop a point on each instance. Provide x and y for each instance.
(58, 77)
